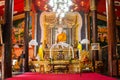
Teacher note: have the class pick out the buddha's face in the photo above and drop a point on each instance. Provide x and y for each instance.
(60, 30)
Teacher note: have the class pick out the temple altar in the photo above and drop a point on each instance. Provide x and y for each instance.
(68, 30)
(59, 40)
(57, 66)
(56, 53)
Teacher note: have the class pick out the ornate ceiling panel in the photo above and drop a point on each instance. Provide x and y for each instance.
(78, 6)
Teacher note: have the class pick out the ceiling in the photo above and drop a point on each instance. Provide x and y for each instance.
(78, 6)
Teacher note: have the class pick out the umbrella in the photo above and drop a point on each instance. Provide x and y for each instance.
(85, 41)
(33, 42)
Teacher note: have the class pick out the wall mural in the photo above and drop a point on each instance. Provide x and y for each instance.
(18, 32)
(18, 38)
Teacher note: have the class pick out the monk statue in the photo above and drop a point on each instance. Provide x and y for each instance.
(61, 37)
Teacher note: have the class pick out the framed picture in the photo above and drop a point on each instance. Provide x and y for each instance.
(95, 46)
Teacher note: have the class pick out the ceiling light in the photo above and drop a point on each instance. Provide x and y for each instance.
(71, 10)
(61, 7)
(38, 3)
(51, 3)
(62, 15)
(82, 3)
(70, 3)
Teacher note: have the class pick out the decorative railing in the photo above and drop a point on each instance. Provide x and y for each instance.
(61, 48)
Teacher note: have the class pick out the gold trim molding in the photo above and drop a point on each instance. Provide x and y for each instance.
(104, 18)
(17, 17)
(20, 16)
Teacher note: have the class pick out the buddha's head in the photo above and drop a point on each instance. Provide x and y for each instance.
(60, 29)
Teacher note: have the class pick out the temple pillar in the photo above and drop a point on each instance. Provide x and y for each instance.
(34, 28)
(94, 30)
(86, 29)
(7, 35)
(83, 34)
(26, 35)
(118, 29)
(111, 34)
(94, 33)
(89, 29)
(38, 27)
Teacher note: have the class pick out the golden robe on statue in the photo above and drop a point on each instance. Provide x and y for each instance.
(61, 37)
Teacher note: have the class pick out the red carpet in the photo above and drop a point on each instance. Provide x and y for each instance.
(83, 76)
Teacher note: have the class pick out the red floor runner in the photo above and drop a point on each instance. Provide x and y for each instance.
(83, 76)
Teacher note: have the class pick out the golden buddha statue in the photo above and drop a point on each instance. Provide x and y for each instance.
(61, 37)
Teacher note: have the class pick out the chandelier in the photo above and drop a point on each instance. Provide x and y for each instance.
(60, 7)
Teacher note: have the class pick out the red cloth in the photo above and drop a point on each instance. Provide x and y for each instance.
(83, 76)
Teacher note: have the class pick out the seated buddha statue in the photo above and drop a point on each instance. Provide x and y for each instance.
(61, 37)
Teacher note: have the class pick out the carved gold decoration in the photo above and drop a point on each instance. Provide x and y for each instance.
(70, 19)
(92, 5)
(84, 54)
(50, 19)
(49, 25)
(102, 29)
(27, 5)
(85, 62)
